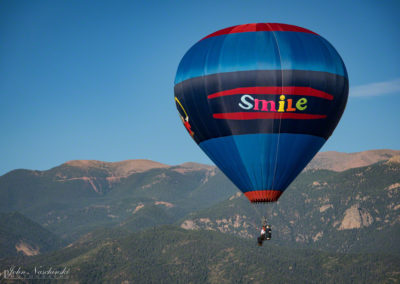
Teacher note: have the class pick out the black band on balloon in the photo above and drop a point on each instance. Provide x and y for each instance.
(313, 103)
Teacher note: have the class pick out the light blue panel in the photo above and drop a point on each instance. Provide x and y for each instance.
(262, 161)
(259, 51)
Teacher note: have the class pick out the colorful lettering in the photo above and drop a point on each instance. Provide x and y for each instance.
(247, 102)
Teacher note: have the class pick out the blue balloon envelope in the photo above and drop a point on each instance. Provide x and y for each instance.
(261, 100)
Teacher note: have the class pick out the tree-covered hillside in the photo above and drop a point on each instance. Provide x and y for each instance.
(71, 201)
(173, 255)
(21, 236)
(352, 211)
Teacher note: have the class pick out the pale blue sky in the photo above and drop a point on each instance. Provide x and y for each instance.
(94, 79)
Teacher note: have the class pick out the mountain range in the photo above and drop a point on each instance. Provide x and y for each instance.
(343, 207)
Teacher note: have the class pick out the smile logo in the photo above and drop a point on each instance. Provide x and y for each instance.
(269, 103)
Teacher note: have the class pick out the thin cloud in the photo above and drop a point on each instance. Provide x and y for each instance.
(376, 89)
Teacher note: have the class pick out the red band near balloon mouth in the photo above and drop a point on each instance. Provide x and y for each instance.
(263, 195)
(274, 90)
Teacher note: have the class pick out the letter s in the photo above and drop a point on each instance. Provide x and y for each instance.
(245, 104)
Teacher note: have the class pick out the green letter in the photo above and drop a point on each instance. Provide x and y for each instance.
(301, 104)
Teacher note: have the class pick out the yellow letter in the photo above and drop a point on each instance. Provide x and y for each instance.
(281, 104)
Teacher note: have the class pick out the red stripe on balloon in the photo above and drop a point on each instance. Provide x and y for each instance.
(299, 91)
(266, 115)
(260, 27)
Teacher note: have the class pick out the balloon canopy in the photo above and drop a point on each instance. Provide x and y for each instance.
(260, 100)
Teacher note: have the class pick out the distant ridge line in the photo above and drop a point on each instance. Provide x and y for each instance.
(339, 161)
(329, 160)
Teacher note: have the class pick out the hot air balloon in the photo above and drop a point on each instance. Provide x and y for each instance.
(261, 100)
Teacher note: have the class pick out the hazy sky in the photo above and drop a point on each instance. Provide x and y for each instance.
(94, 79)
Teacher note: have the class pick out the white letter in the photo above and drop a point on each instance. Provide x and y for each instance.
(246, 104)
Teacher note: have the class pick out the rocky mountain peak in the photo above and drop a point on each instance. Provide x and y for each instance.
(394, 160)
(337, 161)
